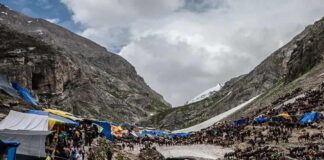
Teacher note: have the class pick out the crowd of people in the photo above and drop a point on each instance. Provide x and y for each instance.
(259, 139)
(71, 142)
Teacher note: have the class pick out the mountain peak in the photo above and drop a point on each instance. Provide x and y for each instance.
(207, 93)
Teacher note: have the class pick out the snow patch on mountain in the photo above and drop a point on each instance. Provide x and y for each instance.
(215, 119)
(206, 94)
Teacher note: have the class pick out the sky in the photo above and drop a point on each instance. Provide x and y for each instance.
(182, 47)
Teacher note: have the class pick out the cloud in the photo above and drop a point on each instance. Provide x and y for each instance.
(182, 47)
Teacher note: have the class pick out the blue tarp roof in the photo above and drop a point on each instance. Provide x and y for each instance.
(106, 129)
(180, 135)
(24, 93)
(261, 119)
(65, 120)
(310, 117)
(240, 121)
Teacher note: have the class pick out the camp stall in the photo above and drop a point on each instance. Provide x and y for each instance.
(27, 129)
(310, 117)
(54, 119)
(63, 114)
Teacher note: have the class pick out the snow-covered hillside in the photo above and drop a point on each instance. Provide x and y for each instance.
(215, 119)
(206, 94)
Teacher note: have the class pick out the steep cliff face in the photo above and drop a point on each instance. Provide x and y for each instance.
(282, 67)
(72, 72)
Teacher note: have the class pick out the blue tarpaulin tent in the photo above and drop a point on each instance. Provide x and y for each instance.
(261, 119)
(65, 120)
(106, 129)
(156, 133)
(172, 135)
(241, 121)
(24, 93)
(310, 117)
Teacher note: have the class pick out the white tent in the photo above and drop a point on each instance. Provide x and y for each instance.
(23, 121)
(28, 129)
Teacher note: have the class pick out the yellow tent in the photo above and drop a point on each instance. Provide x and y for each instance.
(52, 122)
(116, 128)
(63, 114)
(285, 115)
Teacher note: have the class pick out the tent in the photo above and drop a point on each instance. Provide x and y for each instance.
(54, 119)
(24, 93)
(172, 135)
(23, 121)
(28, 129)
(261, 119)
(310, 117)
(6, 86)
(63, 114)
(241, 121)
(284, 115)
(106, 129)
(32, 143)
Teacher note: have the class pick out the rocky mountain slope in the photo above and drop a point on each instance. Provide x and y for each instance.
(72, 72)
(296, 64)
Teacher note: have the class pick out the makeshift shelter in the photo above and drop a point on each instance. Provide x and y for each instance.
(261, 119)
(310, 117)
(239, 122)
(28, 129)
(32, 142)
(6, 86)
(63, 114)
(54, 119)
(172, 135)
(24, 93)
(23, 121)
(106, 129)
(285, 115)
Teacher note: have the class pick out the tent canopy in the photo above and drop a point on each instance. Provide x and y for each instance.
(32, 143)
(24, 93)
(63, 114)
(284, 115)
(53, 116)
(24, 121)
(106, 129)
(240, 121)
(310, 117)
(261, 119)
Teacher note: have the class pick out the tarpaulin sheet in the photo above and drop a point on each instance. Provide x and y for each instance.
(6, 86)
(261, 119)
(63, 114)
(106, 129)
(65, 120)
(24, 121)
(24, 93)
(32, 143)
(310, 117)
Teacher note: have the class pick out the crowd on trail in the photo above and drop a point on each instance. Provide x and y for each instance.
(261, 138)
(72, 143)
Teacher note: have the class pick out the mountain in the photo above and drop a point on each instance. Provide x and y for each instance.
(72, 72)
(298, 64)
(207, 93)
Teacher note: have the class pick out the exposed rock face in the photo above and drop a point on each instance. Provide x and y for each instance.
(73, 72)
(291, 61)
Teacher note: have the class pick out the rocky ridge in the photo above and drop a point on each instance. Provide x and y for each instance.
(72, 72)
(302, 55)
